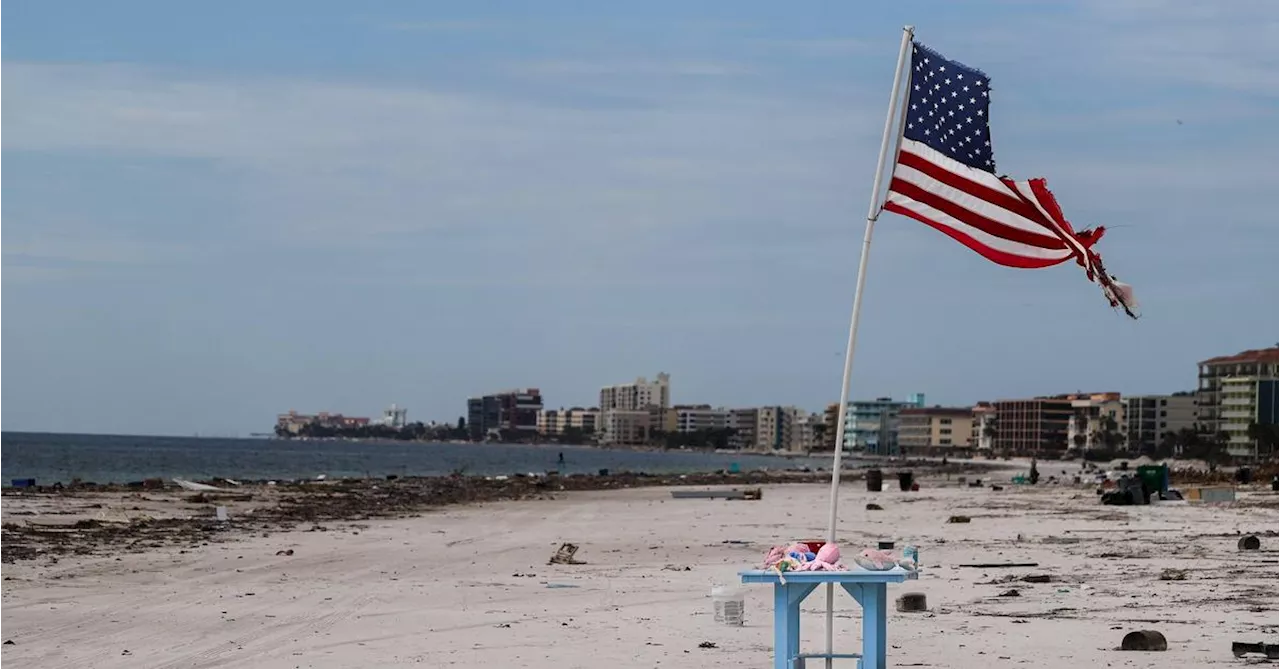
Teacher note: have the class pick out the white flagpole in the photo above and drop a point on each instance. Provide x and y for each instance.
(873, 211)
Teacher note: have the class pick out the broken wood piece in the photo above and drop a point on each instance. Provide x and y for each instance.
(999, 565)
(564, 555)
(749, 494)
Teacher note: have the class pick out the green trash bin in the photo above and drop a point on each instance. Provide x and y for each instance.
(1156, 477)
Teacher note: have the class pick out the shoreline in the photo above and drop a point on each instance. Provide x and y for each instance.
(89, 519)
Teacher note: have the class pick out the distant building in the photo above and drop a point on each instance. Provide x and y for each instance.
(639, 395)
(1147, 418)
(872, 426)
(808, 427)
(1092, 417)
(554, 422)
(396, 417)
(700, 418)
(830, 418)
(1234, 392)
(743, 422)
(511, 414)
(935, 430)
(623, 427)
(1032, 427)
(982, 435)
(293, 422)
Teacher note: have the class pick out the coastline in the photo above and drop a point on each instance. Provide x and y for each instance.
(89, 519)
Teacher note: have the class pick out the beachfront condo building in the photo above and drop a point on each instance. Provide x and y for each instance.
(507, 415)
(1097, 422)
(983, 429)
(1235, 392)
(624, 427)
(1147, 418)
(872, 426)
(637, 396)
(744, 423)
(700, 418)
(935, 431)
(776, 428)
(555, 422)
(1032, 427)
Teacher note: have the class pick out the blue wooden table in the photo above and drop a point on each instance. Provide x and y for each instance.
(868, 588)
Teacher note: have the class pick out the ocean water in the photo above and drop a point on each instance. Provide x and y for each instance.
(49, 457)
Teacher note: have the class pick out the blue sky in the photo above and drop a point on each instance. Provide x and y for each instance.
(214, 212)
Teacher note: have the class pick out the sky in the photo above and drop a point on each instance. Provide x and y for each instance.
(215, 212)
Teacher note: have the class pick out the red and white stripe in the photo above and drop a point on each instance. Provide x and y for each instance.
(1017, 224)
(1012, 223)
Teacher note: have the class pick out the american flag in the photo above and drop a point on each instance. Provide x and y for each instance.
(945, 178)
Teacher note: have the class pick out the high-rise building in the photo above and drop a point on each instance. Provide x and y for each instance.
(872, 426)
(1236, 391)
(775, 428)
(1147, 418)
(639, 395)
(934, 430)
(624, 427)
(1031, 427)
(511, 414)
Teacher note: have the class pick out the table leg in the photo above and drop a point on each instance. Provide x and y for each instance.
(874, 625)
(786, 621)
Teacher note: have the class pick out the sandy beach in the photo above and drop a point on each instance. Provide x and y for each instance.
(470, 586)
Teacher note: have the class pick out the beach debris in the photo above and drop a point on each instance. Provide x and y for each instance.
(1249, 543)
(503, 626)
(196, 487)
(752, 494)
(286, 552)
(885, 545)
(874, 507)
(1171, 574)
(707, 644)
(676, 567)
(126, 652)
(565, 555)
(958, 519)
(318, 528)
(221, 514)
(9, 642)
(912, 602)
(1010, 593)
(1000, 565)
(997, 488)
(1144, 640)
(1238, 648)
(560, 586)
(976, 483)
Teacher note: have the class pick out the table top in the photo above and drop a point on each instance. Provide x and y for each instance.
(855, 575)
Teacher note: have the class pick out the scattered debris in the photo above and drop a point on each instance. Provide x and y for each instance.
(1238, 648)
(748, 494)
(1037, 578)
(1249, 543)
(676, 567)
(1145, 640)
(1010, 593)
(912, 602)
(564, 555)
(1172, 574)
(707, 644)
(503, 626)
(999, 565)
(874, 507)
(287, 551)
(196, 487)
(958, 519)
(9, 642)
(997, 488)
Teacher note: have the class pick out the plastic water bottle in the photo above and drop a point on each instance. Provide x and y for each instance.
(912, 553)
(728, 604)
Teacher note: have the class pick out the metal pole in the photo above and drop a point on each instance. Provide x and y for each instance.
(873, 211)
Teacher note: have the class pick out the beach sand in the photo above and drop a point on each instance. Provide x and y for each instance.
(469, 586)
